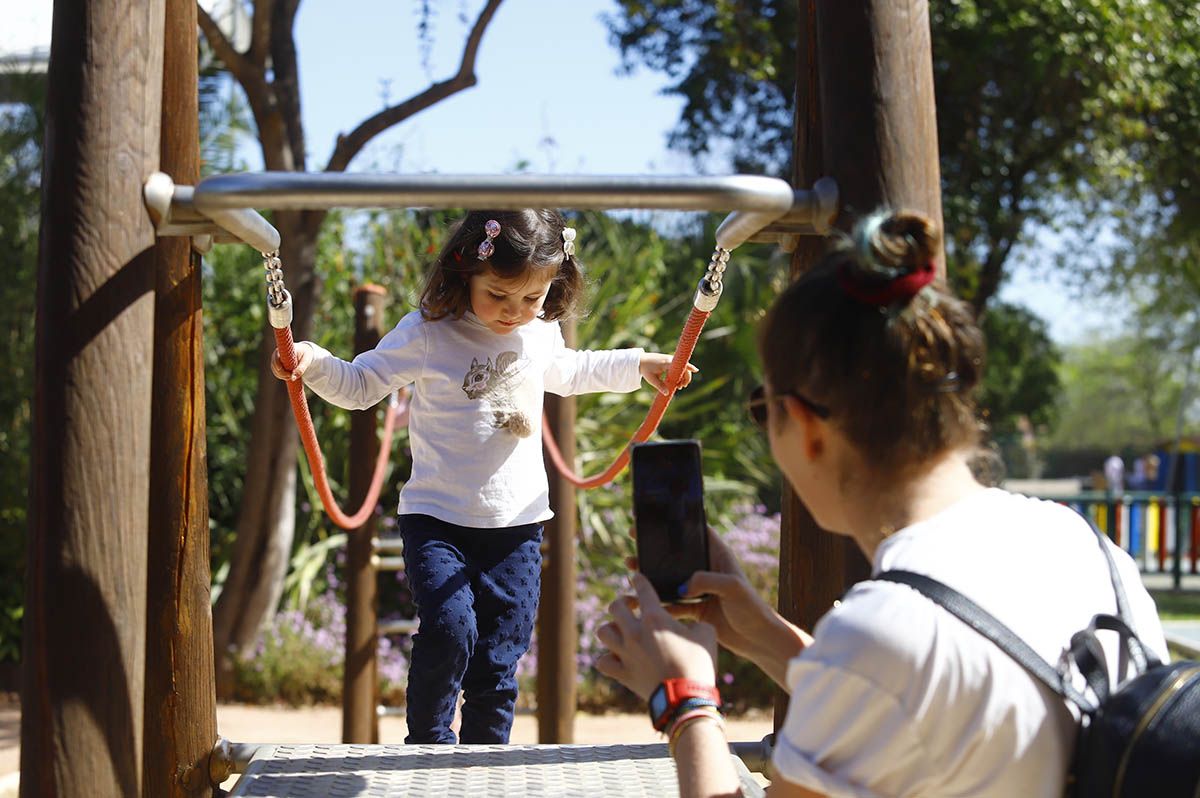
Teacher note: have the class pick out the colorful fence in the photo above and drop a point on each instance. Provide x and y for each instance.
(1160, 531)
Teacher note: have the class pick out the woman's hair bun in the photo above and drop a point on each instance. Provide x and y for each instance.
(890, 243)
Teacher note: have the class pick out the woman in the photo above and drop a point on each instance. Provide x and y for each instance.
(870, 371)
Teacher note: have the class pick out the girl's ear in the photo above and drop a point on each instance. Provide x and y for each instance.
(811, 426)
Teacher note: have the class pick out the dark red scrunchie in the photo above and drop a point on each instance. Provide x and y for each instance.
(891, 292)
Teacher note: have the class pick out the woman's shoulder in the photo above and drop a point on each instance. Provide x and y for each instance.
(875, 623)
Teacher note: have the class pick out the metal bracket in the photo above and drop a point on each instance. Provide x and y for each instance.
(174, 213)
(812, 214)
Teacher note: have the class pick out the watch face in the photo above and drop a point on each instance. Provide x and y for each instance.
(658, 702)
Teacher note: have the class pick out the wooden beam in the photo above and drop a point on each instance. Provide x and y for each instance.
(557, 635)
(85, 624)
(877, 106)
(180, 702)
(865, 116)
(360, 679)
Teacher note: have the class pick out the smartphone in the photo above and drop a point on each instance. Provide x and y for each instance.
(668, 509)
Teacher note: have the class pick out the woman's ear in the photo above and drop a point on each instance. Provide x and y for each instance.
(812, 427)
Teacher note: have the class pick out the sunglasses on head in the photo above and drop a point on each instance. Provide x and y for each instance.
(758, 402)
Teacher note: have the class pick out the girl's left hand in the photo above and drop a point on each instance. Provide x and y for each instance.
(653, 367)
(643, 651)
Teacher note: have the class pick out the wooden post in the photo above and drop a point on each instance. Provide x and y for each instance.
(180, 702)
(865, 116)
(85, 609)
(557, 636)
(359, 684)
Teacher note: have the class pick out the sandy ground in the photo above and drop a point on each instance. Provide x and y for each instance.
(255, 724)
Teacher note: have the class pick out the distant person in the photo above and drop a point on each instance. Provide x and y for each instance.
(1145, 473)
(481, 352)
(870, 372)
(1114, 474)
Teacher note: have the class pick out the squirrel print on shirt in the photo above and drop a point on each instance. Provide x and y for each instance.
(496, 384)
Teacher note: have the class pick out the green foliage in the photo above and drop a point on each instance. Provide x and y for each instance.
(734, 64)
(22, 127)
(1022, 369)
(1119, 392)
(1050, 114)
(298, 659)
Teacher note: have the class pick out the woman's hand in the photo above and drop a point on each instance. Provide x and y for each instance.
(304, 358)
(646, 649)
(744, 623)
(653, 367)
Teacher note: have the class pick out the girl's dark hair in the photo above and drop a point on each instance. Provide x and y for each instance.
(899, 380)
(529, 240)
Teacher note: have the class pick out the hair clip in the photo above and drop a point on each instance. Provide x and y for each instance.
(491, 229)
(568, 237)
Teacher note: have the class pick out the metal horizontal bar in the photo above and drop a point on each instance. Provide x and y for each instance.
(389, 712)
(387, 563)
(756, 756)
(387, 545)
(323, 190)
(406, 626)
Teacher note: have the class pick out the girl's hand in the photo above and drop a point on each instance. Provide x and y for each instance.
(304, 358)
(644, 650)
(653, 367)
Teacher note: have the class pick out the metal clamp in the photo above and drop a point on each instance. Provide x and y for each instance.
(174, 213)
(708, 293)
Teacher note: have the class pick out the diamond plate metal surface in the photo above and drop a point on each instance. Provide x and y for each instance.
(480, 771)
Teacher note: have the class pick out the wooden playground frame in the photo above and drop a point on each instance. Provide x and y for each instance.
(118, 693)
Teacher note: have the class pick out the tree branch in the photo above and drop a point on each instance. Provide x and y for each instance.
(237, 64)
(260, 31)
(350, 145)
(286, 83)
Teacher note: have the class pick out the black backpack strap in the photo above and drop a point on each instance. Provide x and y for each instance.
(985, 624)
(1123, 611)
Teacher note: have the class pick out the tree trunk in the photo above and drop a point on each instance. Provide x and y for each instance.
(266, 522)
(85, 621)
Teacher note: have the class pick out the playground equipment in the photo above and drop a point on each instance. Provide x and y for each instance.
(220, 209)
(120, 77)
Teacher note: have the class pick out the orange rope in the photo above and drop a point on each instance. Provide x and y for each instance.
(683, 353)
(312, 449)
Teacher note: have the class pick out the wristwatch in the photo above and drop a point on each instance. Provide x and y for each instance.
(674, 694)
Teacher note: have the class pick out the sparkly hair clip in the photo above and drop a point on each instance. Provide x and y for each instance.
(491, 229)
(568, 236)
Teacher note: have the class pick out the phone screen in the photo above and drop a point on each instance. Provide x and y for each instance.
(668, 508)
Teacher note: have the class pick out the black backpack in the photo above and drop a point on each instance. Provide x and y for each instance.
(1141, 739)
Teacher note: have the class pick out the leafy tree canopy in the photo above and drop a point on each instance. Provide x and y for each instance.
(1040, 104)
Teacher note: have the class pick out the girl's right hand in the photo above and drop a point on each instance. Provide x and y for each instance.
(304, 358)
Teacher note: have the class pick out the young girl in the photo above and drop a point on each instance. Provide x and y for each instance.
(870, 372)
(480, 352)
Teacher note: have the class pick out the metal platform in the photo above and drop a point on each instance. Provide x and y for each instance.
(384, 771)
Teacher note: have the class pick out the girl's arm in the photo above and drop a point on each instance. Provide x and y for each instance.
(396, 361)
(574, 371)
(571, 371)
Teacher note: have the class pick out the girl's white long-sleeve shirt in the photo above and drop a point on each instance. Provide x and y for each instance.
(475, 425)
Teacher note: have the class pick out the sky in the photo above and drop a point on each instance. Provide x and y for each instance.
(550, 93)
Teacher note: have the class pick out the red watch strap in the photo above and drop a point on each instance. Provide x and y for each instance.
(679, 690)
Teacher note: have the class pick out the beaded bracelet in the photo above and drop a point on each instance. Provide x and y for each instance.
(675, 731)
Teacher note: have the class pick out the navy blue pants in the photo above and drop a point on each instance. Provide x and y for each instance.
(476, 592)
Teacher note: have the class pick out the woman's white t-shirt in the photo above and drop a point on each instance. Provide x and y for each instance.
(896, 697)
(476, 422)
